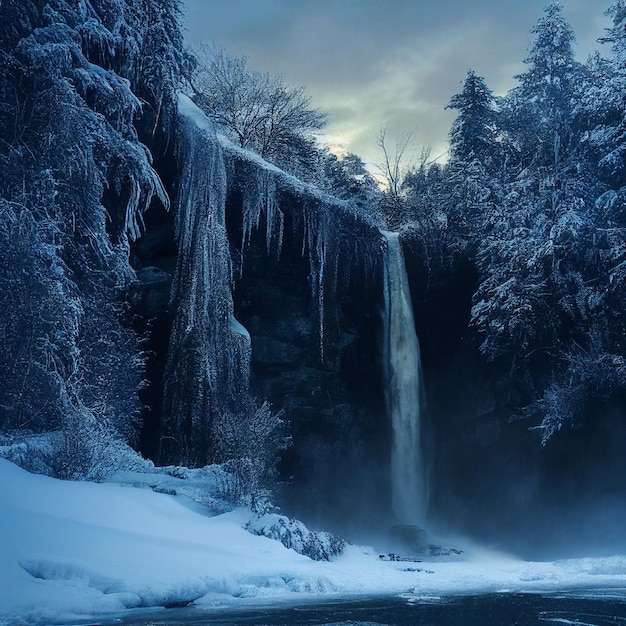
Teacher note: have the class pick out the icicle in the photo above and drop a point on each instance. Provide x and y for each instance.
(259, 197)
(321, 261)
(262, 185)
(315, 241)
(207, 371)
(132, 210)
(237, 327)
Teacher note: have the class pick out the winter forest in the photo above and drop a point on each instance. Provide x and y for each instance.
(190, 280)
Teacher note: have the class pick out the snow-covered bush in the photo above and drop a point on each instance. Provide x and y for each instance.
(31, 452)
(89, 450)
(588, 377)
(248, 446)
(84, 451)
(317, 545)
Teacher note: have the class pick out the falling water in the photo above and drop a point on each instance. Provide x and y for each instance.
(402, 370)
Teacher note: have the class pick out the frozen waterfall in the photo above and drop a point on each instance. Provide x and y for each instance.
(402, 371)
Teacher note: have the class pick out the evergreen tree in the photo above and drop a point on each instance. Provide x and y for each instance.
(74, 182)
(541, 304)
(541, 108)
(473, 133)
(612, 139)
(346, 177)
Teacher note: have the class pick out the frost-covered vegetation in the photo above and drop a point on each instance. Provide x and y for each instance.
(533, 197)
(320, 546)
(79, 83)
(92, 123)
(257, 109)
(259, 112)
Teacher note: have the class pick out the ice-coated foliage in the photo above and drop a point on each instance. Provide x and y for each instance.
(248, 444)
(591, 377)
(473, 131)
(319, 546)
(74, 183)
(87, 452)
(140, 40)
(259, 111)
(610, 134)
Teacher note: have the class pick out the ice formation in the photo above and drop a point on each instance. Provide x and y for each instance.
(207, 371)
(208, 360)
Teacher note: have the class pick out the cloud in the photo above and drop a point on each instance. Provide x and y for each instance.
(397, 63)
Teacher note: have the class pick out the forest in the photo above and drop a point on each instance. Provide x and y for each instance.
(190, 278)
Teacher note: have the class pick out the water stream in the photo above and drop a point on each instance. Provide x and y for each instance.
(495, 609)
(402, 371)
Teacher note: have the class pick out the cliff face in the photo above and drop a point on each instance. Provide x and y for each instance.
(275, 295)
(490, 476)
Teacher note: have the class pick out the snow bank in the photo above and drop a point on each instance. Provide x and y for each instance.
(71, 550)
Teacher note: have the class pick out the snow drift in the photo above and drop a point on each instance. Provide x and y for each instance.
(77, 549)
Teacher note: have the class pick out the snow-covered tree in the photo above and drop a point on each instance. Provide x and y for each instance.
(610, 135)
(74, 182)
(346, 177)
(540, 110)
(532, 207)
(258, 109)
(473, 133)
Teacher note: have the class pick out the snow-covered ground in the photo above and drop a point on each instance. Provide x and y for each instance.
(70, 550)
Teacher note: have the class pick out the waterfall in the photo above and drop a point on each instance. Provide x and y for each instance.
(402, 372)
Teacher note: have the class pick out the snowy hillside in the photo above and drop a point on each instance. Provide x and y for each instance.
(74, 549)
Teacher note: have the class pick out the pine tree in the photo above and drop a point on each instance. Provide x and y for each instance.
(541, 108)
(613, 137)
(473, 133)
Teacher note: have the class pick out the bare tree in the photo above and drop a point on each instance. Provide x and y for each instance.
(249, 446)
(258, 109)
(393, 167)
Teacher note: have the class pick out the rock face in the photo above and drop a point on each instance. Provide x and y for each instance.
(302, 278)
(331, 394)
(490, 477)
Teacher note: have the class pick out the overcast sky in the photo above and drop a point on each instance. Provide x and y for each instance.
(392, 63)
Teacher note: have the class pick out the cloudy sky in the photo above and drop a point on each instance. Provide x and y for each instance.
(391, 63)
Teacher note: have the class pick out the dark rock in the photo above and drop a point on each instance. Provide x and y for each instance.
(154, 290)
(271, 355)
(410, 537)
(151, 275)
